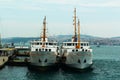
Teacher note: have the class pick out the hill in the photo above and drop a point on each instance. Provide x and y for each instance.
(60, 38)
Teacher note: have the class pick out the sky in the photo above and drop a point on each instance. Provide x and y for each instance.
(24, 18)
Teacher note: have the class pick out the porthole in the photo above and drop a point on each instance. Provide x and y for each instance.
(73, 50)
(81, 44)
(73, 44)
(87, 44)
(36, 49)
(39, 49)
(46, 50)
(45, 60)
(37, 43)
(79, 61)
(85, 61)
(40, 43)
(39, 60)
(76, 44)
(82, 49)
(49, 49)
(76, 50)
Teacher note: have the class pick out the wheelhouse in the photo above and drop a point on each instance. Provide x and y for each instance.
(48, 46)
(74, 44)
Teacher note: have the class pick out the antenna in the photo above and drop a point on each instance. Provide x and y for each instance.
(44, 31)
(74, 23)
(78, 45)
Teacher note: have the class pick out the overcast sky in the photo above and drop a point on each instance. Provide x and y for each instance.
(23, 18)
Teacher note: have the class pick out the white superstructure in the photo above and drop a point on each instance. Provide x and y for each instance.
(79, 58)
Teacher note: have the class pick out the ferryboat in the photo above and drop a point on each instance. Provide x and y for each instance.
(43, 52)
(76, 54)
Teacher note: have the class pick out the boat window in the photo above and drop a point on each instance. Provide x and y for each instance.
(68, 44)
(49, 49)
(73, 44)
(45, 60)
(85, 61)
(76, 50)
(79, 61)
(84, 44)
(76, 44)
(73, 50)
(39, 60)
(81, 47)
(46, 43)
(37, 43)
(46, 50)
(81, 44)
(36, 49)
(54, 43)
(40, 43)
(87, 44)
(39, 49)
(50, 43)
(43, 49)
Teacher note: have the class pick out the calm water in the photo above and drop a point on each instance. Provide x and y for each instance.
(106, 67)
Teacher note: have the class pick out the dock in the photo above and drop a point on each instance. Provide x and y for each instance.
(20, 57)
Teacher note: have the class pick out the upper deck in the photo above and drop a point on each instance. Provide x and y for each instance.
(74, 44)
(48, 45)
(39, 43)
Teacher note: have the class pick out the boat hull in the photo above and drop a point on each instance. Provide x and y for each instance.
(70, 67)
(77, 60)
(42, 60)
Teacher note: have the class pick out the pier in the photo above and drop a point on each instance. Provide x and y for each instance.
(20, 57)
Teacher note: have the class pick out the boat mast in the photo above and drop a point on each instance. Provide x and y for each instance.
(44, 32)
(74, 23)
(78, 45)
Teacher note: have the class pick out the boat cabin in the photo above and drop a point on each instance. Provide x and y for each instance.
(38, 46)
(74, 44)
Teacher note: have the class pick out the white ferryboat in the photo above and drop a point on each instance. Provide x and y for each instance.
(43, 52)
(76, 54)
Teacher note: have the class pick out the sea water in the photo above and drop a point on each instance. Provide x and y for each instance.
(106, 66)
